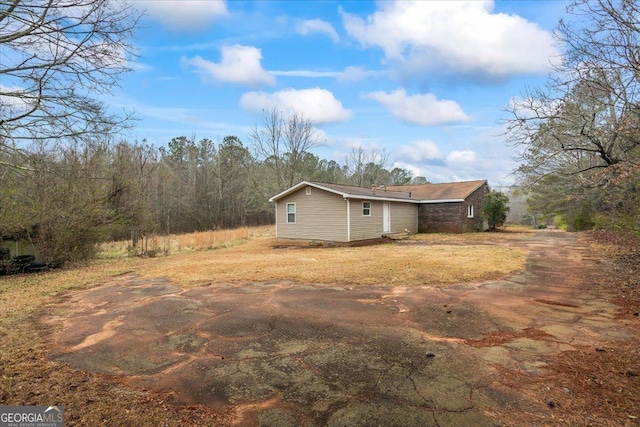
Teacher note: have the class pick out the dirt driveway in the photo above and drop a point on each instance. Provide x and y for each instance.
(290, 354)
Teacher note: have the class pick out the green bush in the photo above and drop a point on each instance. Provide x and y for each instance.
(560, 221)
(495, 209)
(617, 222)
(580, 219)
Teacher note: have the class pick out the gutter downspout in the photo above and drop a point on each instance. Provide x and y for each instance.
(348, 220)
(276, 203)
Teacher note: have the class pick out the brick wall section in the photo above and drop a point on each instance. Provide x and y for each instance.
(452, 217)
(439, 218)
(477, 199)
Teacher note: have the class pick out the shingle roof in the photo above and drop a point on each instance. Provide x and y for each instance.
(452, 191)
(444, 191)
(366, 192)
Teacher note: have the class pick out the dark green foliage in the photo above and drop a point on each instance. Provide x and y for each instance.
(400, 176)
(495, 209)
(580, 218)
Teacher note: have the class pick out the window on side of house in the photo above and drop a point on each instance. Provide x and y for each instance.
(291, 213)
(308, 191)
(366, 208)
(470, 211)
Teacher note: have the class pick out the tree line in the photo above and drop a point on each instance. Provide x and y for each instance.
(67, 196)
(66, 184)
(66, 181)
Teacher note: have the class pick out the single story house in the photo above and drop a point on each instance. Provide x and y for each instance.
(344, 213)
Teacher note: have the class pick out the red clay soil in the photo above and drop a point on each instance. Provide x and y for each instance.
(552, 345)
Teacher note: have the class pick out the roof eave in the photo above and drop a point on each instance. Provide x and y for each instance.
(432, 201)
(365, 197)
(378, 198)
(288, 191)
(304, 184)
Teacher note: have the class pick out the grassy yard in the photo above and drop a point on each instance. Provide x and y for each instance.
(437, 259)
(28, 377)
(155, 245)
(251, 255)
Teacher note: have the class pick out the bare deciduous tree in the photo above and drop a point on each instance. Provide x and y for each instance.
(282, 143)
(267, 142)
(299, 139)
(587, 116)
(366, 167)
(57, 58)
(579, 136)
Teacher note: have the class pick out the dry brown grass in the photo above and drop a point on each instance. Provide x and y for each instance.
(246, 255)
(156, 245)
(28, 377)
(384, 264)
(512, 232)
(20, 294)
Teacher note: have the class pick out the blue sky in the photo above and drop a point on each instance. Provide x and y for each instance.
(425, 81)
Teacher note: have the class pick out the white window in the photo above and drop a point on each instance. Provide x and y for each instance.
(308, 191)
(291, 213)
(470, 211)
(366, 208)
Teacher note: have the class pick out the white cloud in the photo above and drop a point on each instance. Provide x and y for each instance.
(189, 15)
(348, 75)
(139, 66)
(343, 144)
(317, 26)
(530, 108)
(424, 109)
(464, 165)
(188, 47)
(239, 64)
(462, 36)
(306, 73)
(15, 99)
(356, 74)
(317, 105)
(485, 156)
(426, 158)
(420, 151)
(461, 157)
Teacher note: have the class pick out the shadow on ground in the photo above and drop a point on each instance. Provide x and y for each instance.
(287, 354)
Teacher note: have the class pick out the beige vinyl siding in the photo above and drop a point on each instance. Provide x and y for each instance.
(404, 216)
(365, 227)
(319, 216)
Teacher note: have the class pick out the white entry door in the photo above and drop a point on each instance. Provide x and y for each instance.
(386, 217)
